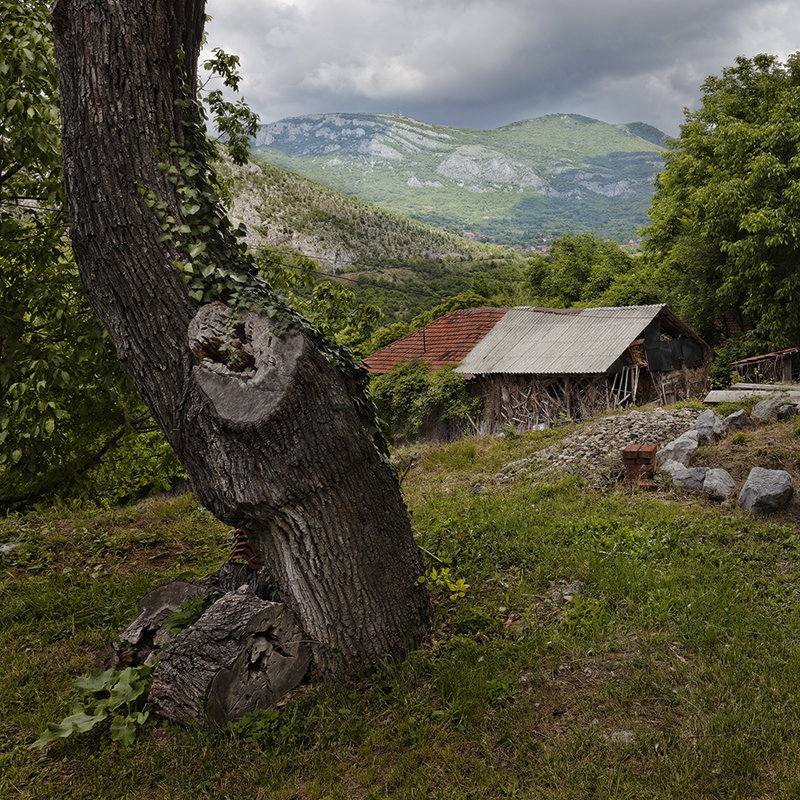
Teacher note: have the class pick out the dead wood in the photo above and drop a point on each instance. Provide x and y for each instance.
(243, 653)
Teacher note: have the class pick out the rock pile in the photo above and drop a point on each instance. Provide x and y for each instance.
(765, 490)
(595, 452)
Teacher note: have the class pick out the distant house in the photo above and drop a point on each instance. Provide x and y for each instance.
(778, 367)
(444, 342)
(536, 366)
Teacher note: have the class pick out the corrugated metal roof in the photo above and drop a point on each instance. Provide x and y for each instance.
(444, 341)
(542, 341)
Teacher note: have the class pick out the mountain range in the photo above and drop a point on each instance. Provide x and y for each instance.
(560, 173)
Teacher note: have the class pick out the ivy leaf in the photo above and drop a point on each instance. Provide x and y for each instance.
(123, 730)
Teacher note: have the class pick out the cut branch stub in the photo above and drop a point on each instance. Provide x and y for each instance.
(244, 367)
(243, 653)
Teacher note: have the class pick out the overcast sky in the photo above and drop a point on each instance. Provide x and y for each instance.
(486, 63)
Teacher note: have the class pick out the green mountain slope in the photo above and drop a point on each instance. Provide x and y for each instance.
(286, 211)
(554, 174)
(401, 265)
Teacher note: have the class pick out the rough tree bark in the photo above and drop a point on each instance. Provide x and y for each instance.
(279, 450)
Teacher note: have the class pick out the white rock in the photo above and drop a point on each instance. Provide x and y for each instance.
(766, 490)
(737, 421)
(767, 409)
(691, 478)
(681, 449)
(718, 484)
(708, 426)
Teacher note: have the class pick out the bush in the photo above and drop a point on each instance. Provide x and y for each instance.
(722, 371)
(409, 398)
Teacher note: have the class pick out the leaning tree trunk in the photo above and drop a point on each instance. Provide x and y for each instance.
(277, 450)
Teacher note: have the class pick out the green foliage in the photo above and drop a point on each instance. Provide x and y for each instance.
(441, 578)
(64, 397)
(723, 374)
(189, 611)
(236, 122)
(332, 308)
(726, 209)
(409, 397)
(114, 696)
(30, 174)
(576, 271)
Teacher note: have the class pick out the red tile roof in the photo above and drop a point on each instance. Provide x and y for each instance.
(753, 359)
(444, 341)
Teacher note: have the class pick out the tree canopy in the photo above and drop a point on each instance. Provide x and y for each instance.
(726, 212)
(64, 397)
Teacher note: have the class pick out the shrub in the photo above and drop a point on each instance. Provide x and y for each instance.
(409, 397)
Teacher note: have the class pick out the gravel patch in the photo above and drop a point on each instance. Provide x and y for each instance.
(595, 451)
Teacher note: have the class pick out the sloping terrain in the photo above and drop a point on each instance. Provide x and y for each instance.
(286, 211)
(554, 174)
(603, 644)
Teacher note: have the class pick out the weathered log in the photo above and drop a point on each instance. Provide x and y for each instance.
(143, 639)
(243, 653)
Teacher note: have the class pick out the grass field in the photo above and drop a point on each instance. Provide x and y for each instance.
(670, 671)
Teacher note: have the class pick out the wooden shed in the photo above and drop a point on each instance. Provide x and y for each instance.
(541, 365)
(778, 367)
(536, 366)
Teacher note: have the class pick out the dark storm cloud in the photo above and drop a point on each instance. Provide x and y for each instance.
(482, 63)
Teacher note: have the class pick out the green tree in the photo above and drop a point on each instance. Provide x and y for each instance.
(726, 212)
(64, 398)
(576, 271)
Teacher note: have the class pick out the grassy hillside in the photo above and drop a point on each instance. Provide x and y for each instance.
(286, 211)
(401, 265)
(561, 173)
(669, 671)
